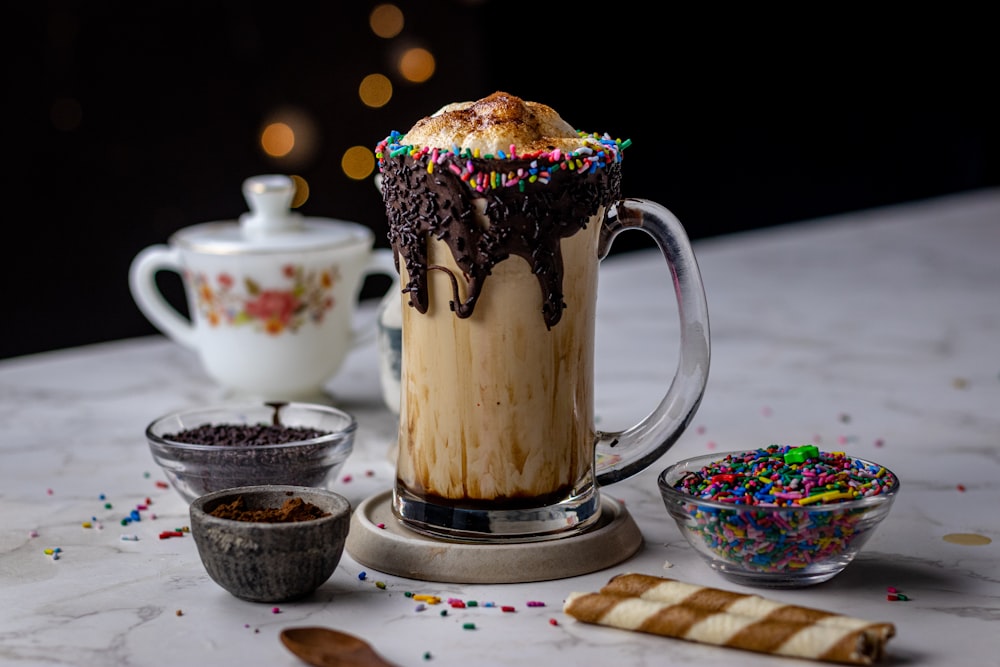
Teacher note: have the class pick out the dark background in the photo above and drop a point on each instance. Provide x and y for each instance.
(739, 119)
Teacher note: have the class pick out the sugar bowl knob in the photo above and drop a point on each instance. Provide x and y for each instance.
(269, 198)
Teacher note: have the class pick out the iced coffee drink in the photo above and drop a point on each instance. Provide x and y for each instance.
(496, 213)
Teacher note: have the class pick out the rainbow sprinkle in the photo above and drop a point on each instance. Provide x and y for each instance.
(596, 153)
(784, 508)
(780, 475)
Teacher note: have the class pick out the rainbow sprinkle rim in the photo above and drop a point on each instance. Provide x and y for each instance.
(470, 166)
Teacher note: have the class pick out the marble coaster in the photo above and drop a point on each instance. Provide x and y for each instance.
(396, 549)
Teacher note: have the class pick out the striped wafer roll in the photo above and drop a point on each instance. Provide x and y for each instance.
(723, 628)
(659, 589)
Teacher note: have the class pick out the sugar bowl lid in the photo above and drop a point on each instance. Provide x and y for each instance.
(270, 225)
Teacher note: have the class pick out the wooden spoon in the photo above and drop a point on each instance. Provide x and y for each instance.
(324, 647)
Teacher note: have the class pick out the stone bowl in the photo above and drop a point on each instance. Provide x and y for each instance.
(263, 558)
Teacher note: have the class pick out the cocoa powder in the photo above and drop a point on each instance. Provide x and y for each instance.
(294, 509)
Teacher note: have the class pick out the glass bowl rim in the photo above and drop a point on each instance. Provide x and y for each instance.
(677, 497)
(340, 436)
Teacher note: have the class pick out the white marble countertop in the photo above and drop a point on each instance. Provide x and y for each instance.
(877, 333)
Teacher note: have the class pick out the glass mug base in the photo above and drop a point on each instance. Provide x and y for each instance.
(571, 516)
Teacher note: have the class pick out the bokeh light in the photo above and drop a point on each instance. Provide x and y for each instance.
(289, 137)
(277, 139)
(386, 20)
(358, 162)
(417, 65)
(375, 90)
(301, 191)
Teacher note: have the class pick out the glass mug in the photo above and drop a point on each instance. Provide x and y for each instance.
(497, 437)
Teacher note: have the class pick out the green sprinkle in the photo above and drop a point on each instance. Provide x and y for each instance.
(801, 454)
(468, 626)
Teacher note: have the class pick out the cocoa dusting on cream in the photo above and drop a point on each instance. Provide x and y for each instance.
(528, 219)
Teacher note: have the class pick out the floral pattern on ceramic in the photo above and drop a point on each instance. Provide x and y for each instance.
(271, 310)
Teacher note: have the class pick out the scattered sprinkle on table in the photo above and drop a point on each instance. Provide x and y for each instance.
(893, 595)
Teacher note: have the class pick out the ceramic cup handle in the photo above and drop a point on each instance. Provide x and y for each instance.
(142, 283)
(623, 454)
(381, 262)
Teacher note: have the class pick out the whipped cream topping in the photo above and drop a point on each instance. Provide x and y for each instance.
(490, 126)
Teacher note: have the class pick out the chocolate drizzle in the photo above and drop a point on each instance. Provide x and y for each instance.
(528, 221)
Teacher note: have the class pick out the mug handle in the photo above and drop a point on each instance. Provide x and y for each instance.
(142, 283)
(622, 454)
(381, 262)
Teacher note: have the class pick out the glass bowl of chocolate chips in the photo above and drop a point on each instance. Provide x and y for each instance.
(202, 450)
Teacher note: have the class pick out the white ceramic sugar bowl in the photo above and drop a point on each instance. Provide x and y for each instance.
(271, 296)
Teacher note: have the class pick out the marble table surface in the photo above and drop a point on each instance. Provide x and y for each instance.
(877, 333)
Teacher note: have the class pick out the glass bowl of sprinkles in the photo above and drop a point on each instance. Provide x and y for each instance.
(778, 516)
(202, 450)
